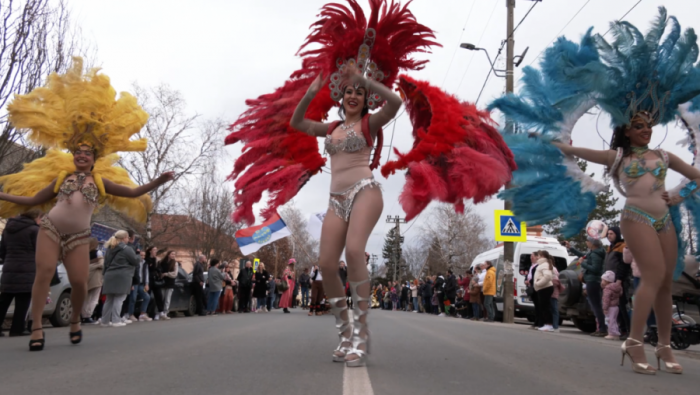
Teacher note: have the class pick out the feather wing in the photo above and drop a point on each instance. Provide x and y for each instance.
(457, 153)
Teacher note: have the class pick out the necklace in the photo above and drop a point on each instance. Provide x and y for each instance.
(347, 127)
(639, 151)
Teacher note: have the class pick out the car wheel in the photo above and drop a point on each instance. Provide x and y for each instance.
(191, 307)
(64, 310)
(572, 288)
(586, 326)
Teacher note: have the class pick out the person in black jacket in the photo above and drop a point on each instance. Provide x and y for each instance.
(404, 296)
(260, 291)
(427, 296)
(245, 286)
(17, 253)
(439, 290)
(155, 281)
(197, 284)
(451, 289)
(305, 284)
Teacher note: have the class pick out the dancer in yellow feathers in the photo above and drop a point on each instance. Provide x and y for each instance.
(75, 112)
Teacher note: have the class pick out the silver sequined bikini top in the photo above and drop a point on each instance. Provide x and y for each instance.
(351, 143)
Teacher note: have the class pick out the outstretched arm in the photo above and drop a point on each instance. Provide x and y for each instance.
(124, 191)
(299, 121)
(390, 108)
(602, 157)
(41, 197)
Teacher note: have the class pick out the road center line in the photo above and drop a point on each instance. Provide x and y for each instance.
(356, 381)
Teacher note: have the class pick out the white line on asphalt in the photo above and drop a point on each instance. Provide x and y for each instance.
(356, 382)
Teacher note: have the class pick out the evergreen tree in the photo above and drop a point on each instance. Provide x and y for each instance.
(604, 211)
(390, 255)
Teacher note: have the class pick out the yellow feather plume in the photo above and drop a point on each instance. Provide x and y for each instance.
(40, 173)
(76, 108)
(71, 110)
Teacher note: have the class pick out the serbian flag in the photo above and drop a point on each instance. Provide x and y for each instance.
(252, 239)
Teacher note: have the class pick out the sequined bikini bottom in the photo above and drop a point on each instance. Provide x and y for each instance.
(661, 225)
(341, 202)
(66, 242)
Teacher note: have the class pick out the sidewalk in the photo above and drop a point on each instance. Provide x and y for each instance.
(568, 330)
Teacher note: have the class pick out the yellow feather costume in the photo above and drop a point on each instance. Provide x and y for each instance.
(76, 109)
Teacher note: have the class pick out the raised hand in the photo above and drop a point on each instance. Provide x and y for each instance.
(316, 85)
(351, 75)
(167, 176)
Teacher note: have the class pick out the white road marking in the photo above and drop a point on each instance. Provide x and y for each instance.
(356, 382)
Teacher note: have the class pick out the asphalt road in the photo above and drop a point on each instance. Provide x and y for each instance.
(279, 353)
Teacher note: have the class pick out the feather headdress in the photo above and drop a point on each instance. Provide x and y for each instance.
(72, 110)
(280, 160)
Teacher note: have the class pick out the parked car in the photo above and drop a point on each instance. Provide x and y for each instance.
(573, 304)
(59, 309)
(182, 299)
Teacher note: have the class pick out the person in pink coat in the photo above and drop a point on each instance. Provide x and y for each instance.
(288, 276)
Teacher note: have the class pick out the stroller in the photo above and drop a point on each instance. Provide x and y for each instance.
(685, 331)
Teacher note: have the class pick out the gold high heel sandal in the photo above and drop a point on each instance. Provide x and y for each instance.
(671, 367)
(357, 329)
(343, 326)
(641, 368)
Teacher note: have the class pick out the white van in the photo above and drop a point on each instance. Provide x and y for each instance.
(523, 306)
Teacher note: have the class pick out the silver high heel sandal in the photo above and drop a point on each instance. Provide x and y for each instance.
(671, 367)
(641, 368)
(358, 328)
(343, 326)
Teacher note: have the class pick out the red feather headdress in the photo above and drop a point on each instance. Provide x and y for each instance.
(279, 159)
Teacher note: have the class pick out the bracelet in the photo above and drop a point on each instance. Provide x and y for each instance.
(688, 189)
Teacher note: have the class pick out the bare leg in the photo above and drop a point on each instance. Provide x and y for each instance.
(663, 304)
(366, 210)
(646, 247)
(332, 243)
(77, 264)
(46, 260)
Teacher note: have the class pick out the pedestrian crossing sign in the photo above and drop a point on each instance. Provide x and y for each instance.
(508, 228)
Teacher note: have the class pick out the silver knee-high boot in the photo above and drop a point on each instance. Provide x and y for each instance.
(343, 326)
(358, 328)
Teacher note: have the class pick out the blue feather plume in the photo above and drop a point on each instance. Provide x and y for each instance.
(678, 224)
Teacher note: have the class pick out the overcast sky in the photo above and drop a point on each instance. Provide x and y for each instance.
(219, 53)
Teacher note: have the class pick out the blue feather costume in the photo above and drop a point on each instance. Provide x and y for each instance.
(633, 73)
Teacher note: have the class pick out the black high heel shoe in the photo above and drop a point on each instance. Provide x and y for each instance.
(78, 334)
(37, 344)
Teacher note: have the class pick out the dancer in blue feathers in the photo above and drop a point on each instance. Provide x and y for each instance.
(640, 81)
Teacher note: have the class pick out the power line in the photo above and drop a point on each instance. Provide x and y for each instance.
(477, 44)
(488, 76)
(503, 44)
(469, 15)
(391, 143)
(623, 17)
(562, 29)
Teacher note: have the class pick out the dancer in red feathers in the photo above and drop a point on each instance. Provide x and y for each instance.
(457, 153)
(355, 200)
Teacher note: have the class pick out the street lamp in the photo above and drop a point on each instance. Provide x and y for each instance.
(498, 72)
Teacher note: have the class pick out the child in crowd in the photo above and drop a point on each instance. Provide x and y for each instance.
(611, 301)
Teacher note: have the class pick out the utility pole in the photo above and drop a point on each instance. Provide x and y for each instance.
(396, 220)
(373, 267)
(508, 247)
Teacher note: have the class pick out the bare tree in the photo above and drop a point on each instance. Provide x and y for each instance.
(211, 205)
(304, 246)
(415, 257)
(37, 37)
(177, 141)
(275, 256)
(455, 239)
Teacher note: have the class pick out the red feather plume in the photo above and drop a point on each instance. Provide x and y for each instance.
(457, 153)
(279, 159)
